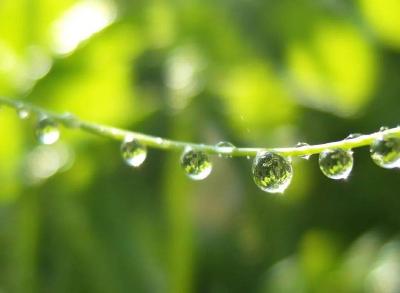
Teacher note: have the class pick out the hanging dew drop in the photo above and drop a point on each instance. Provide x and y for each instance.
(196, 164)
(271, 172)
(47, 131)
(386, 152)
(303, 144)
(133, 152)
(225, 148)
(336, 164)
(23, 113)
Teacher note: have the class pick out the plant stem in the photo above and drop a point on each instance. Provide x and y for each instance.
(71, 121)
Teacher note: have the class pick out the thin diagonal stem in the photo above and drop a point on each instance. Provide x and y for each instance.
(71, 121)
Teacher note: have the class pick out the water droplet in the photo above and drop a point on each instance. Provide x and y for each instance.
(354, 135)
(196, 164)
(70, 120)
(248, 157)
(23, 113)
(225, 148)
(303, 144)
(271, 172)
(336, 164)
(47, 131)
(386, 152)
(133, 152)
(383, 128)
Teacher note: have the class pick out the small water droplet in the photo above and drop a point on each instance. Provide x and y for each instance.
(383, 128)
(47, 131)
(336, 164)
(114, 131)
(133, 152)
(23, 113)
(70, 120)
(271, 172)
(386, 152)
(354, 135)
(248, 157)
(196, 164)
(303, 144)
(225, 148)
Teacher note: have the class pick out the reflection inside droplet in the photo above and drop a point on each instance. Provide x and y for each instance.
(271, 172)
(336, 164)
(196, 164)
(47, 131)
(133, 152)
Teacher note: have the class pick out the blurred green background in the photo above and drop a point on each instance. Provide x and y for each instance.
(75, 218)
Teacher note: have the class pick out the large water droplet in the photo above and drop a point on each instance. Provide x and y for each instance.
(47, 131)
(196, 164)
(303, 144)
(133, 152)
(386, 152)
(336, 164)
(271, 172)
(225, 148)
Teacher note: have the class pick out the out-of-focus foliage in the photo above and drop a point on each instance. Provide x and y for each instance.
(75, 218)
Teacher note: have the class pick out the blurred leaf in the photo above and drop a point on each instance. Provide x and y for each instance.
(383, 18)
(255, 99)
(335, 71)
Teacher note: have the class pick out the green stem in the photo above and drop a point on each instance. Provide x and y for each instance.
(71, 121)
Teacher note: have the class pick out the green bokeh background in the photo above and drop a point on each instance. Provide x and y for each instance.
(75, 218)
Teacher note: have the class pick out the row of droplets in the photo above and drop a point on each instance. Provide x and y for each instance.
(271, 171)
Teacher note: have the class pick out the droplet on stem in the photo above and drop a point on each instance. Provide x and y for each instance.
(336, 164)
(23, 113)
(70, 120)
(303, 144)
(196, 164)
(133, 152)
(47, 131)
(271, 172)
(385, 152)
(225, 148)
(353, 135)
